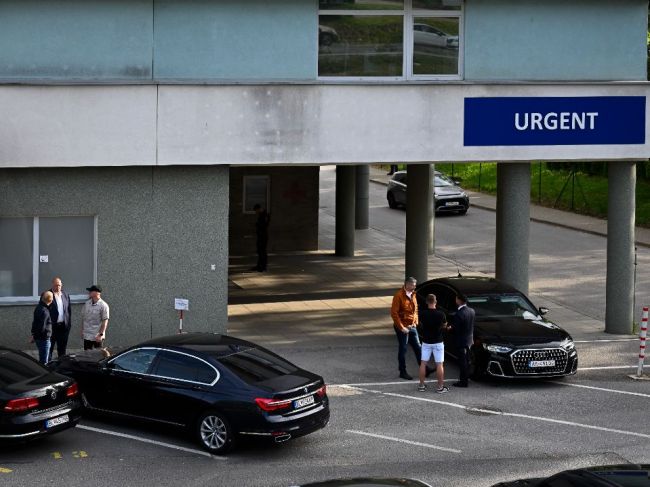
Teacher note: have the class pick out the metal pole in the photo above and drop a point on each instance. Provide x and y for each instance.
(642, 337)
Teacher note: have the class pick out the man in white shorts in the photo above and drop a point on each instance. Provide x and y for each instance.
(433, 324)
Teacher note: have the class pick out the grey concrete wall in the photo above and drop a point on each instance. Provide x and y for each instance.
(159, 232)
(293, 209)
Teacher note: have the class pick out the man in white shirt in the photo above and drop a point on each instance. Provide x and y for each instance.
(94, 319)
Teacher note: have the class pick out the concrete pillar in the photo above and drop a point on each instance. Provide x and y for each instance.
(431, 247)
(362, 201)
(417, 221)
(513, 224)
(344, 239)
(619, 297)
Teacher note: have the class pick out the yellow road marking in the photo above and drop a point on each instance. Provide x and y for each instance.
(56, 455)
(5, 470)
(79, 454)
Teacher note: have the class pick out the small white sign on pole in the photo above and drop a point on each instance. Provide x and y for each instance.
(181, 304)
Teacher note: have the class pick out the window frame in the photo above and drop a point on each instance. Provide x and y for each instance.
(266, 177)
(154, 367)
(35, 297)
(408, 14)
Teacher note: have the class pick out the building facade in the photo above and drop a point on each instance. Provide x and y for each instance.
(136, 135)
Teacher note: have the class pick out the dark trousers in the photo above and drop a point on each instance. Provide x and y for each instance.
(59, 340)
(90, 344)
(403, 341)
(262, 257)
(463, 364)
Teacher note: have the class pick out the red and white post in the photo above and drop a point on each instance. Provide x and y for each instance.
(180, 323)
(642, 337)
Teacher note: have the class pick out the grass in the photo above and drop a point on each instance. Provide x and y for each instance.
(582, 193)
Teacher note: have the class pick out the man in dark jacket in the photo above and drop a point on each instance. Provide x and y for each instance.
(42, 327)
(262, 234)
(61, 314)
(463, 327)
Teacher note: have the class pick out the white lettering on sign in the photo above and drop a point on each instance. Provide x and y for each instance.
(556, 121)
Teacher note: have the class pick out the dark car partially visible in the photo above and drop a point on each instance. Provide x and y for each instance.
(216, 386)
(33, 400)
(511, 336)
(625, 475)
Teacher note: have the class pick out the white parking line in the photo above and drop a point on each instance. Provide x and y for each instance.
(399, 440)
(608, 367)
(606, 340)
(581, 386)
(511, 415)
(152, 442)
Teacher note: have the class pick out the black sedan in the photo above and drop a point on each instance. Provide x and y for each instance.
(511, 336)
(447, 195)
(33, 400)
(216, 386)
(625, 475)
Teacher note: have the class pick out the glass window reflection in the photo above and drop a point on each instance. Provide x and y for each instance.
(435, 46)
(361, 4)
(357, 45)
(437, 4)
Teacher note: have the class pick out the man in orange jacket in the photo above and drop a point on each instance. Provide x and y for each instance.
(404, 312)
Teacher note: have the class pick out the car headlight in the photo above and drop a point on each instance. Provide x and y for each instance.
(497, 348)
(568, 344)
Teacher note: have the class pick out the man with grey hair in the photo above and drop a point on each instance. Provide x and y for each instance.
(404, 312)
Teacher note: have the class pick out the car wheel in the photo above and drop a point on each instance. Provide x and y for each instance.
(391, 201)
(326, 39)
(214, 433)
(463, 212)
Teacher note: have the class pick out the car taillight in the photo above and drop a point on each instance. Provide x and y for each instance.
(271, 405)
(73, 390)
(322, 391)
(24, 404)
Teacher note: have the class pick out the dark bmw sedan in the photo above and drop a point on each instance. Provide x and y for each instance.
(511, 336)
(216, 386)
(33, 400)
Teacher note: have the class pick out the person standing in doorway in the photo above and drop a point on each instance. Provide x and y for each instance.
(94, 319)
(262, 234)
(463, 327)
(61, 314)
(404, 312)
(433, 324)
(42, 327)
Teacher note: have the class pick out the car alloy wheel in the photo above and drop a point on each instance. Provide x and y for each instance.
(214, 432)
(391, 201)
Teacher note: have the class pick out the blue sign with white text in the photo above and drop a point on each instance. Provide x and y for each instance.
(589, 120)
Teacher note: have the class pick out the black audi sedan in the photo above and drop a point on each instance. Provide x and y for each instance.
(447, 195)
(218, 387)
(511, 336)
(34, 401)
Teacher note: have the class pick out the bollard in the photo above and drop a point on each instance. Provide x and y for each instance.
(642, 337)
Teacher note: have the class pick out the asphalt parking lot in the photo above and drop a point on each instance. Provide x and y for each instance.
(381, 426)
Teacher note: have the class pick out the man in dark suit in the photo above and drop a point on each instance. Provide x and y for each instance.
(61, 314)
(463, 326)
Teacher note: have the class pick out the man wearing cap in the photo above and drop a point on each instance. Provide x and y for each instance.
(94, 319)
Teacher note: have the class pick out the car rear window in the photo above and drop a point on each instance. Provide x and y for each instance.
(256, 365)
(16, 368)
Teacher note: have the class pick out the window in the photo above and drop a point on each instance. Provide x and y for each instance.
(35, 250)
(179, 366)
(136, 361)
(256, 365)
(390, 39)
(256, 192)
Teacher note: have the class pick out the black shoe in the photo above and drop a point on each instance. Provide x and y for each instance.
(430, 371)
(404, 375)
(460, 384)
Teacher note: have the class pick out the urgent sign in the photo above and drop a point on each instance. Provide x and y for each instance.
(512, 121)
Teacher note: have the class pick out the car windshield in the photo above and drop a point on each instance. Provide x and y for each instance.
(16, 368)
(502, 306)
(442, 181)
(256, 365)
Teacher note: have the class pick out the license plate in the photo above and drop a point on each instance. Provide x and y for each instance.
(452, 203)
(301, 403)
(541, 363)
(50, 423)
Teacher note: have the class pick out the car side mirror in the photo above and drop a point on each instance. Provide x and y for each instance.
(543, 311)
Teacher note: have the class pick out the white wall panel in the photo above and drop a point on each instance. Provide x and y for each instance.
(272, 124)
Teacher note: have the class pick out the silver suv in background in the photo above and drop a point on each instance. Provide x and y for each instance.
(448, 196)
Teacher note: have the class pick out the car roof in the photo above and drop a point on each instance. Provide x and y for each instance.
(200, 342)
(471, 285)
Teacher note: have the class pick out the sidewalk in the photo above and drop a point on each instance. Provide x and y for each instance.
(316, 300)
(542, 214)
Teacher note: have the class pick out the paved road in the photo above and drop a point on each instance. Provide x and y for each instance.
(566, 267)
